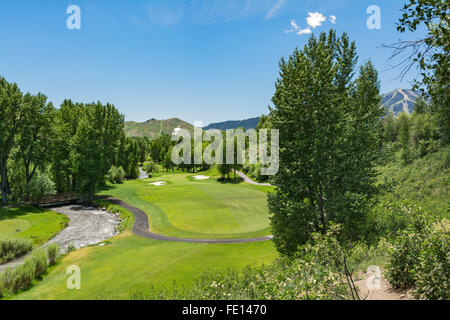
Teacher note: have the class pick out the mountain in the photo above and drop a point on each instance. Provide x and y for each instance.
(153, 128)
(400, 100)
(247, 124)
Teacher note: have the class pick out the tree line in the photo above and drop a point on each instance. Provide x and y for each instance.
(44, 150)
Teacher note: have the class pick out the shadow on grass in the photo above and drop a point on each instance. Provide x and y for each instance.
(15, 212)
(238, 180)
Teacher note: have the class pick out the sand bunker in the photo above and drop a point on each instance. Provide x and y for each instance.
(200, 177)
(159, 183)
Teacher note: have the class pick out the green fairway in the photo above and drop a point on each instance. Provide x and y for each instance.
(190, 208)
(38, 225)
(129, 263)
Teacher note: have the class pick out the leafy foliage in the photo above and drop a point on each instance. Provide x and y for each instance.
(420, 258)
(328, 141)
(14, 248)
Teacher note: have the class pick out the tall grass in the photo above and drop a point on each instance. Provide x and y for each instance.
(14, 248)
(13, 280)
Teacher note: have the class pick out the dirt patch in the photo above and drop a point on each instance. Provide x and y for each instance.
(385, 291)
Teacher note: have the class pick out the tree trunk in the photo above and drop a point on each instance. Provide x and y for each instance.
(5, 183)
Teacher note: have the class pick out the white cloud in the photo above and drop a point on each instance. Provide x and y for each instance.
(315, 19)
(275, 9)
(294, 27)
(304, 31)
(297, 29)
(333, 19)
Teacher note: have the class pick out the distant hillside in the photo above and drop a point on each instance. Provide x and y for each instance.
(400, 100)
(153, 128)
(247, 124)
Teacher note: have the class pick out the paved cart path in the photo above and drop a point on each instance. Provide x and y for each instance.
(141, 228)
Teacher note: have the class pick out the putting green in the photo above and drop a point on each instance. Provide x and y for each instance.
(38, 225)
(190, 208)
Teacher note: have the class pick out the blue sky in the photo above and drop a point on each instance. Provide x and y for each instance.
(208, 60)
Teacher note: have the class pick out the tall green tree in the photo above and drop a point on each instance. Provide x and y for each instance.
(328, 141)
(11, 115)
(36, 134)
(67, 120)
(95, 147)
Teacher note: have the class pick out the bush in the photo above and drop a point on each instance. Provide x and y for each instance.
(13, 248)
(39, 260)
(388, 218)
(71, 248)
(432, 272)
(151, 168)
(116, 174)
(52, 253)
(21, 277)
(40, 186)
(420, 258)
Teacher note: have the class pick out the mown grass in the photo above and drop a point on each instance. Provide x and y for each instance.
(28, 222)
(127, 263)
(198, 208)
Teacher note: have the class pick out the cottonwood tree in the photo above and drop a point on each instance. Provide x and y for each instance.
(67, 120)
(35, 134)
(11, 115)
(95, 146)
(328, 141)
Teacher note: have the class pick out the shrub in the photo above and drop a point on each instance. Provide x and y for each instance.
(150, 168)
(22, 276)
(432, 272)
(39, 260)
(40, 186)
(71, 248)
(52, 253)
(420, 258)
(388, 218)
(116, 174)
(13, 248)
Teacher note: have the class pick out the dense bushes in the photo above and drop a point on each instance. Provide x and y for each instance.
(13, 248)
(151, 168)
(116, 174)
(388, 218)
(420, 258)
(21, 277)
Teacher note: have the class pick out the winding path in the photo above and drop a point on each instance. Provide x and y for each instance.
(248, 180)
(141, 228)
